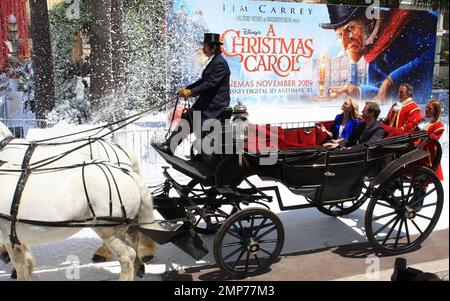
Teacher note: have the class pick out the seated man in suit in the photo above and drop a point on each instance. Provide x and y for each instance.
(213, 89)
(368, 131)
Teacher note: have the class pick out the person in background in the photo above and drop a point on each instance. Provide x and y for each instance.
(405, 113)
(345, 123)
(433, 126)
(367, 131)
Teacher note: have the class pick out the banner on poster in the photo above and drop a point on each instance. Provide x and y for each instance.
(293, 53)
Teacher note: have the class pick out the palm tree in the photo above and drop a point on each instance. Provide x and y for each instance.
(117, 38)
(101, 87)
(42, 58)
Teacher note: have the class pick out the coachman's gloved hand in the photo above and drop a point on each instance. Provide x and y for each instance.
(185, 93)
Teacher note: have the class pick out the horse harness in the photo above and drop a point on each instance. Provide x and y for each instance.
(25, 173)
(23, 178)
(5, 142)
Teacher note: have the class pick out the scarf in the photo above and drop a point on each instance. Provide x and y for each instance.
(392, 25)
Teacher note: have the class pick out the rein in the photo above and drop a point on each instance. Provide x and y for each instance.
(129, 120)
(89, 140)
(5, 142)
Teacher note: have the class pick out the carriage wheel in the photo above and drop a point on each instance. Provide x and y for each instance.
(404, 210)
(344, 208)
(248, 242)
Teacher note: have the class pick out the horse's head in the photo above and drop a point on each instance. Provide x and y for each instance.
(4, 132)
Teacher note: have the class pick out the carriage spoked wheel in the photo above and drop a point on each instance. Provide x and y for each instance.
(404, 210)
(248, 242)
(344, 208)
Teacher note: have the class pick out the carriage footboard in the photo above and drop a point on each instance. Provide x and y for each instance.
(183, 236)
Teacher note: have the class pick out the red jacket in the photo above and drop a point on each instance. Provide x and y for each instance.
(407, 118)
(435, 131)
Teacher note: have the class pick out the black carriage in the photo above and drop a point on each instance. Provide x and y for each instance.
(396, 175)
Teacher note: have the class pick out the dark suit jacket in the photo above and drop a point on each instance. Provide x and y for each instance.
(364, 134)
(213, 89)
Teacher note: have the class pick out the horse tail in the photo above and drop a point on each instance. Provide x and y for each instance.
(134, 163)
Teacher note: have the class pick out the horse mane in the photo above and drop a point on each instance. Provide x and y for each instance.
(4, 131)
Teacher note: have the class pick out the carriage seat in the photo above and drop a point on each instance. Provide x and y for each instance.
(277, 138)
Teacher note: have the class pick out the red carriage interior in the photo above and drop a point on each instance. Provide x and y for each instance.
(277, 138)
(309, 137)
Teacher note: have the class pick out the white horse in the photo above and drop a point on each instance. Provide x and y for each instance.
(102, 150)
(60, 195)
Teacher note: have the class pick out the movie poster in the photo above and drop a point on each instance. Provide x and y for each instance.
(302, 54)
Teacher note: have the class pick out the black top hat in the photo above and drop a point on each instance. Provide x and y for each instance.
(212, 38)
(342, 14)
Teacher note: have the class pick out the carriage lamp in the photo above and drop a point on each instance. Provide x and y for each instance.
(239, 121)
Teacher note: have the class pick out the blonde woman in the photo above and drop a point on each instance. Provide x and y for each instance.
(344, 123)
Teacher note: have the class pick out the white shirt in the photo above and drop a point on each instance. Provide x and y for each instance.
(399, 104)
(208, 61)
(423, 125)
(341, 130)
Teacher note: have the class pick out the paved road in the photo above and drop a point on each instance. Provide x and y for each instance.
(346, 262)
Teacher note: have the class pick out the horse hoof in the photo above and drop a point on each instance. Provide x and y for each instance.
(5, 257)
(98, 258)
(147, 259)
(141, 271)
(13, 274)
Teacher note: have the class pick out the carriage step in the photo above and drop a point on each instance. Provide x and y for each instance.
(181, 235)
(164, 234)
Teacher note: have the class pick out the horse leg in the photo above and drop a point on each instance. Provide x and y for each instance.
(20, 257)
(102, 254)
(126, 255)
(146, 248)
(29, 260)
(132, 237)
(4, 254)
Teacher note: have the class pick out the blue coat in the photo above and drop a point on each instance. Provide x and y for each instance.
(213, 89)
(409, 59)
(349, 127)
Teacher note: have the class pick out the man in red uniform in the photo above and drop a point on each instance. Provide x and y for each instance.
(404, 114)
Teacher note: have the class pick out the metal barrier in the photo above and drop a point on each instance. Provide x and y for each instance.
(138, 142)
(20, 127)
